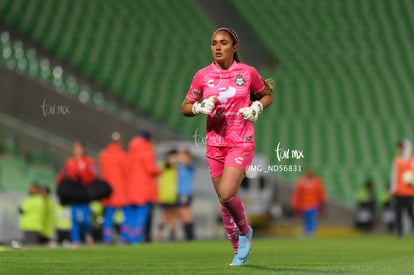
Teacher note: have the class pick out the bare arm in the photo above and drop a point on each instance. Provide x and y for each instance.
(187, 107)
(265, 97)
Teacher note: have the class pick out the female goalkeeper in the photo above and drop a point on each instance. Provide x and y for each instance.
(222, 91)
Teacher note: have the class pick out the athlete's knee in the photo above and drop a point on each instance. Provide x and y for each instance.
(226, 196)
(226, 192)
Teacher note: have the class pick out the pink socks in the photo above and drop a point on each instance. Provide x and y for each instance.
(230, 227)
(236, 210)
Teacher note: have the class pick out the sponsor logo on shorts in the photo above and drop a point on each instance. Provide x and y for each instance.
(238, 160)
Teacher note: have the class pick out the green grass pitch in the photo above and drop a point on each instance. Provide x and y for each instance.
(324, 255)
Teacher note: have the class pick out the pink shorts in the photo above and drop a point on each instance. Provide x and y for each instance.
(219, 157)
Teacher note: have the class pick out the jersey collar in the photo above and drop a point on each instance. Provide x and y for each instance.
(217, 69)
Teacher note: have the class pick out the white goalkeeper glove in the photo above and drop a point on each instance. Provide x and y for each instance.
(206, 106)
(251, 113)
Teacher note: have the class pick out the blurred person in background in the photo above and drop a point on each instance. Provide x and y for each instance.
(113, 167)
(388, 213)
(185, 171)
(231, 95)
(48, 231)
(97, 219)
(366, 206)
(142, 187)
(167, 189)
(119, 224)
(308, 200)
(32, 211)
(79, 171)
(402, 191)
(63, 224)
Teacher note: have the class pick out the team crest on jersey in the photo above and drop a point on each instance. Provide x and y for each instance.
(239, 80)
(195, 93)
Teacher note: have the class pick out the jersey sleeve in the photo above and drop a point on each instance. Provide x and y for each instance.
(195, 92)
(257, 84)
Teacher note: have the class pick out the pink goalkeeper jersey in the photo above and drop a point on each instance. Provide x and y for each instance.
(225, 125)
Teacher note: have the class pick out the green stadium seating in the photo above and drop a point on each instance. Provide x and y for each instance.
(20, 166)
(16, 174)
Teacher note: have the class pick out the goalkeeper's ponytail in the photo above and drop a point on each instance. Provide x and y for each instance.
(270, 83)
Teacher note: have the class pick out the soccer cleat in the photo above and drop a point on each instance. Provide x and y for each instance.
(245, 244)
(237, 261)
